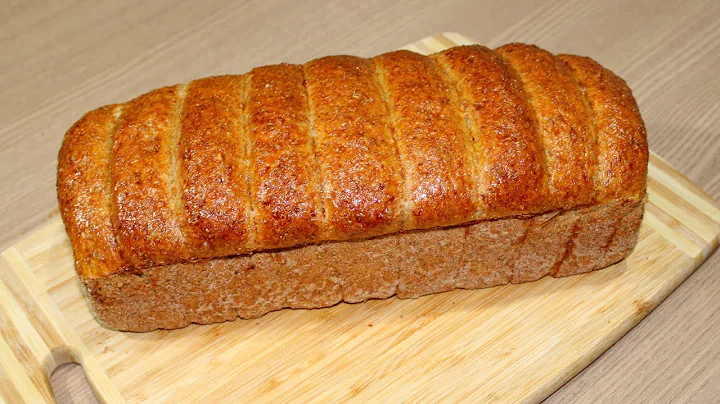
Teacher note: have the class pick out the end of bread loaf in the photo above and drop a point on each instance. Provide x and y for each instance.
(345, 179)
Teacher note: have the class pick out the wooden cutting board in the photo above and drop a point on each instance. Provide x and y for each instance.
(509, 343)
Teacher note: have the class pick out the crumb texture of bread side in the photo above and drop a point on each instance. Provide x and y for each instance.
(409, 265)
(596, 229)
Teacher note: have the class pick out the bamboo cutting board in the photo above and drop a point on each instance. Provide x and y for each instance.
(509, 343)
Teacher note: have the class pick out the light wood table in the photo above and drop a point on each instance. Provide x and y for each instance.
(62, 58)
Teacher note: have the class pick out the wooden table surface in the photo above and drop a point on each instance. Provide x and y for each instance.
(62, 58)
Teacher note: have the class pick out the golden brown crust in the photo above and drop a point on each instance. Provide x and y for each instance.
(212, 168)
(431, 138)
(345, 148)
(144, 216)
(359, 169)
(506, 145)
(563, 120)
(622, 139)
(83, 188)
(285, 187)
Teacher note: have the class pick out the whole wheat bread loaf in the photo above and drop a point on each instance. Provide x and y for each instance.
(347, 179)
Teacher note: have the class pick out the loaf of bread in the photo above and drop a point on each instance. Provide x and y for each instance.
(347, 179)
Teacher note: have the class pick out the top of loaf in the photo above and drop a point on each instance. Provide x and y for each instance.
(345, 148)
